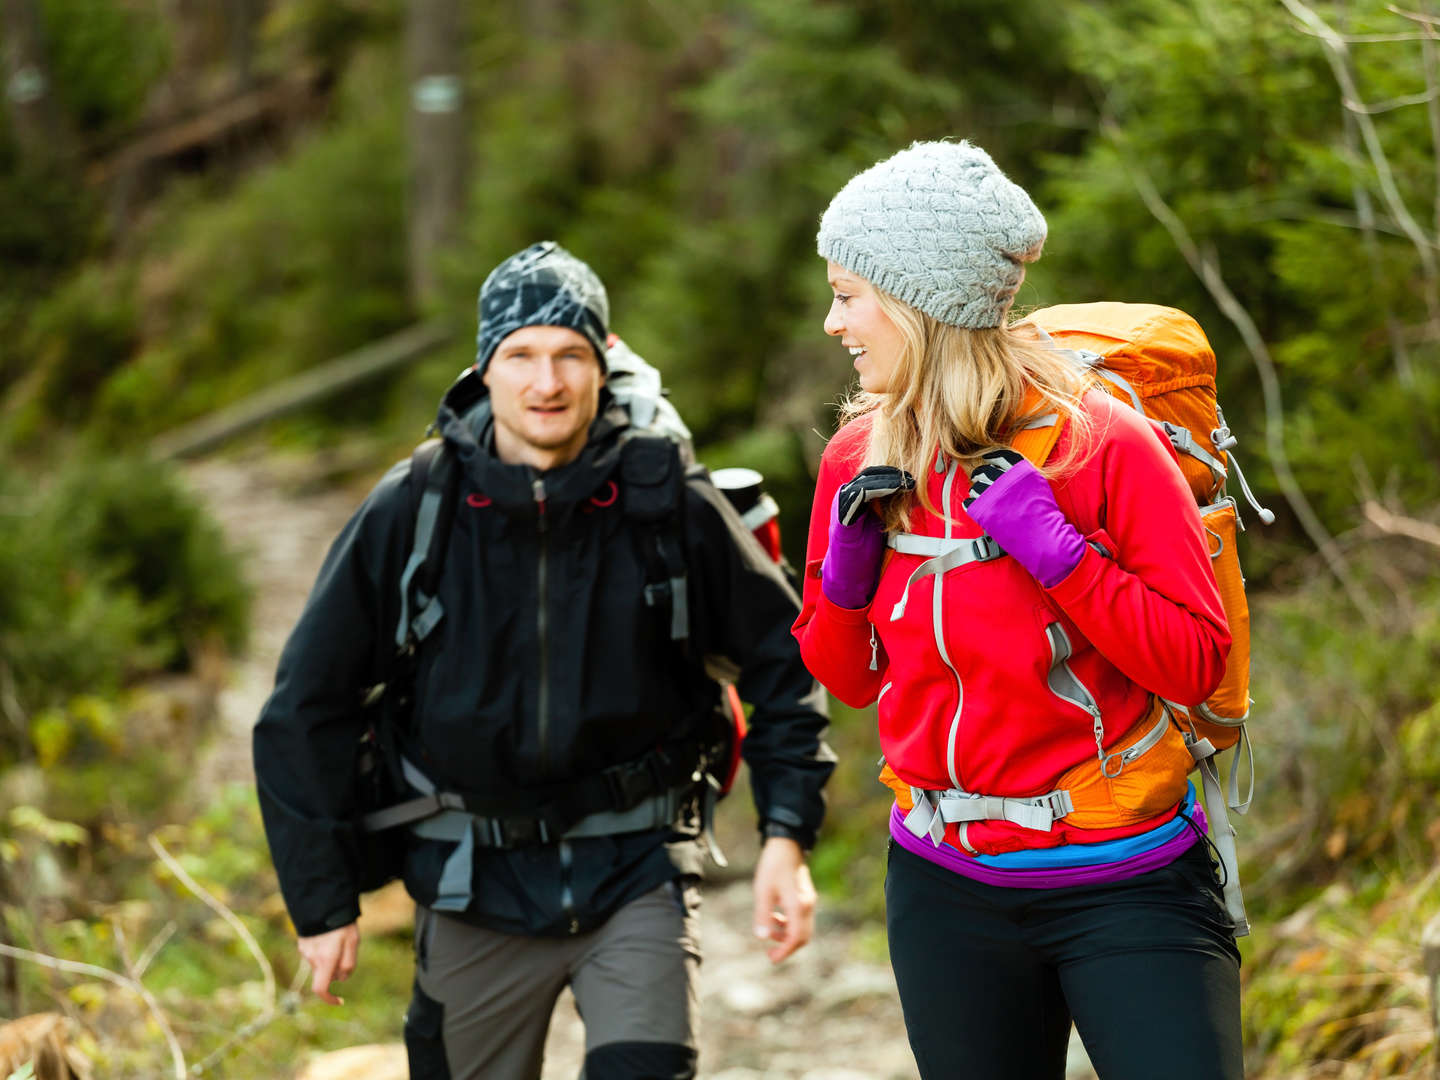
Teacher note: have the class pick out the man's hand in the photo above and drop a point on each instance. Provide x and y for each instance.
(784, 897)
(331, 957)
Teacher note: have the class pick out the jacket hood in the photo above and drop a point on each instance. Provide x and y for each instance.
(466, 423)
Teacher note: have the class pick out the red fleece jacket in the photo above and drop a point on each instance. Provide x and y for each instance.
(1143, 618)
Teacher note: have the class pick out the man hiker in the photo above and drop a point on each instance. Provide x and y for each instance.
(546, 710)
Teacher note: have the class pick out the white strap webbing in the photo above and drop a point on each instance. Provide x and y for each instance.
(1233, 787)
(1203, 749)
(943, 553)
(1124, 384)
(657, 811)
(1183, 440)
(1222, 833)
(933, 810)
(763, 510)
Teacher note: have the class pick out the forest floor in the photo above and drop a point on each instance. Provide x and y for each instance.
(828, 1013)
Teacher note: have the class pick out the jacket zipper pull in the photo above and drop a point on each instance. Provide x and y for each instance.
(537, 487)
(874, 650)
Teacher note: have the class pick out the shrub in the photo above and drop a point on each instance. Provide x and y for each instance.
(108, 573)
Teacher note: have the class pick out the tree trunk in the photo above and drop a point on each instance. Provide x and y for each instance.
(439, 137)
(39, 125)
(241, 19)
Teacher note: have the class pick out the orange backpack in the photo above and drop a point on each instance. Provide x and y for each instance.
(1158, 360)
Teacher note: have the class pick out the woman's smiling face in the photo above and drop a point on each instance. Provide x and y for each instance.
(862, 326)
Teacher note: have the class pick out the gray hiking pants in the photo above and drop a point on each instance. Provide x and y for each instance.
(483, 999)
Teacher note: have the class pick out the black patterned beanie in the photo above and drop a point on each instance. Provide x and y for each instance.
(544, 285)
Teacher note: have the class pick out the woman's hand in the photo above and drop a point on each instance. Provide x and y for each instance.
(857, 539)
(1016, 506)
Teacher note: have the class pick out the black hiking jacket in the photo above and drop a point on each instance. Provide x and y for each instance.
(548, 666)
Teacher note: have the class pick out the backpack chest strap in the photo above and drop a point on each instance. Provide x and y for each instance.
(942, 554)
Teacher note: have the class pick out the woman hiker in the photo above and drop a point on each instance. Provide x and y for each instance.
(1017, 627)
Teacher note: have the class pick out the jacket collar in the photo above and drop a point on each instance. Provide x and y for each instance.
(467, 425)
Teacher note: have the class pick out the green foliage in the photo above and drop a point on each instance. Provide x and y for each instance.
(136, 520)
(303, 262)
(1270, 179)
(109, 572)
(77, 337)
(47, 222)
(329, 31)
(105, 56)
(1344, 714)
(849, 861)
(27, 819)
(1333, 981)
(201, 974)
(698, 204)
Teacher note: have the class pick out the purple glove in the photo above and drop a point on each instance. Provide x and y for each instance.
(857, 539)
(1016, 506)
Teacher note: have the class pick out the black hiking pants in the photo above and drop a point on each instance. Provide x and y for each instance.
(991, 978)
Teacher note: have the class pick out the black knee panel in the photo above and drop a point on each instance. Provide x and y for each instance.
(425, 1037)
(640, 1061)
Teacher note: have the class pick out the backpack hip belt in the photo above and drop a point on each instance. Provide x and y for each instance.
(634, 796)
(933, 810)
(441, 815)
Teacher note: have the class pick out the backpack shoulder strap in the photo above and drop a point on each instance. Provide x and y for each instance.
(652, 485)
(434, 487)
(651, 476)
(1036, 440)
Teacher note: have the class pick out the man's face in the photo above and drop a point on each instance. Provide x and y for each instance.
(544, 386)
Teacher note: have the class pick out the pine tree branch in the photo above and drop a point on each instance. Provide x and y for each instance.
(1432, 82)
(1365, 211)
(1338, 55)
(1424, 97)
(152, 949)
(1399, 525)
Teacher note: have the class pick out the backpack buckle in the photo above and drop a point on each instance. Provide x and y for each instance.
(507, 833)
(630, 782)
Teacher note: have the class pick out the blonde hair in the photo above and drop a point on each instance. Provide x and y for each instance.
(960, 392)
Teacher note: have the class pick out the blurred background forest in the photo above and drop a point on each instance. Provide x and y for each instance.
(202, 199)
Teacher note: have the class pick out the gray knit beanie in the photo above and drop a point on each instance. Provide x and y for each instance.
(544, 285)
(940, 227)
